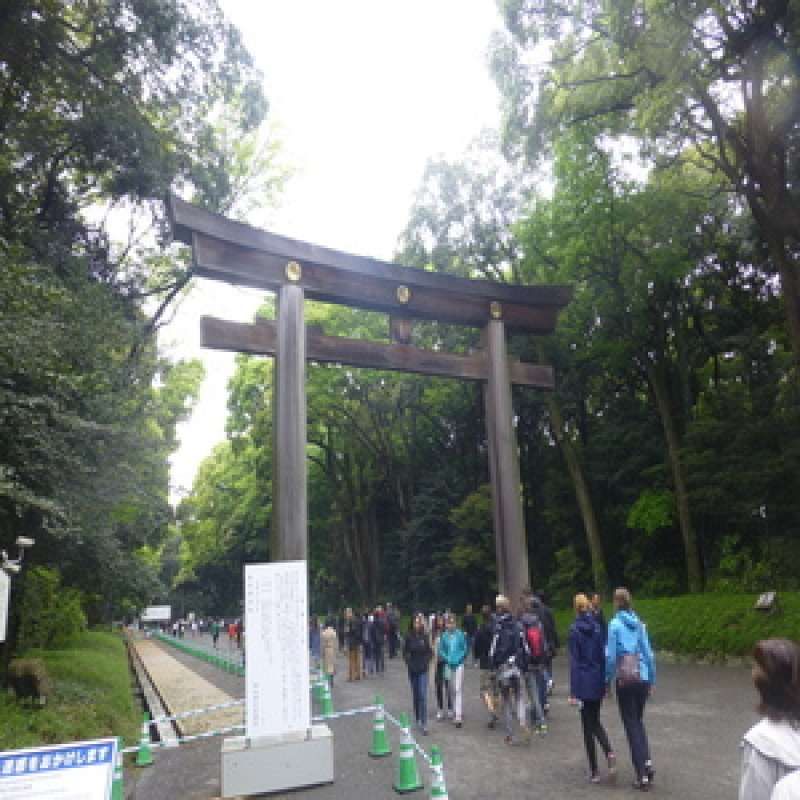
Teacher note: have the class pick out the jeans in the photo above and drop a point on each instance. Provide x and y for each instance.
(509, 696)
(379, 660)
(440, 683)
(535, 684)
(419, 694)
(593, 729)
(631, 701)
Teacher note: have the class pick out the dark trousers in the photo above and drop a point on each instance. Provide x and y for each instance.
(419, 693)
(593, 729)
(392, 643)
(379, 662)
(440, 688)
(631, 701)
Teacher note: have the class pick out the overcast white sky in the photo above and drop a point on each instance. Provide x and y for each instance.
(364, 93)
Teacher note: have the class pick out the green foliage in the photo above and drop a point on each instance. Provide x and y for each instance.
(50, 615)
(652, 510)
(91, 697)
(709, 625)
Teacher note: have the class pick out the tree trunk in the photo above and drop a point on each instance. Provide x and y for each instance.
(658, 384)
(790, 289)
(590, 526)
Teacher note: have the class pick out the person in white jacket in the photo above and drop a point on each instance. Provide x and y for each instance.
(771, 748)
(787, 788)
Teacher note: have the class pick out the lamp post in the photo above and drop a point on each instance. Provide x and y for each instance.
(9, 568)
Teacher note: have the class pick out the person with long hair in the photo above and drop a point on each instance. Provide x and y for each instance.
(586, 643)
(442, 690)
(630, 660)
(771, 748)
(417, 653)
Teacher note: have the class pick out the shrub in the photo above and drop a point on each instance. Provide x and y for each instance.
(29, 679)
(49, 616)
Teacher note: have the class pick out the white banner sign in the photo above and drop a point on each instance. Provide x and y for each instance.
(276, 648)
(5, 589)
(76, 771)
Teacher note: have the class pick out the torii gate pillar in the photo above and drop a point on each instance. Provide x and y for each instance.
(289, 537)
(509, 534)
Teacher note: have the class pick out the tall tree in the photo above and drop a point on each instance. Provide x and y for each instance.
(717, 79)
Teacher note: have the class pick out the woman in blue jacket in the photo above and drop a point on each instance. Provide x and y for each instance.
(453, 651)
(629, 659)
(586, 643)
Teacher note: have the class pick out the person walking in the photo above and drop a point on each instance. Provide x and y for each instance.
(215, 629)
(314, 641)
(328, 648)
(453, 650)
(771, 748)
(488, 682)
(553, 643)
(378, 640)
(369, 653)
(352, 637)
(629, 660)
(533, 674)
(442, 691)
(417, 653)
(470, 627)
(586, 645)
(392, 629)
(505, 653)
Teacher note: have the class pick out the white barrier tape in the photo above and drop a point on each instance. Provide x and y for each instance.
(413, 740)
(351, 713)
(196, 712)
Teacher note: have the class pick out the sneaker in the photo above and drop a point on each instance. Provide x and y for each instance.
(642, 784)
(508, 740)
(546, 708)
(458, 723)
(649, 771)
(611, 758)
(424, 730)
(491, 723)
(450, 715)
(439, 716)
(550, 686)
(594, 778)
(542, 730)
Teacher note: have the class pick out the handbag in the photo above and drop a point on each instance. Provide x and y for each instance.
(628, 669)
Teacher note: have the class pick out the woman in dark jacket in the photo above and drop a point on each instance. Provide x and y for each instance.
(587, 682)
(417, 653)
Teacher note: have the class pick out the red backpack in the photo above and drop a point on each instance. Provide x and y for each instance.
(534, 635)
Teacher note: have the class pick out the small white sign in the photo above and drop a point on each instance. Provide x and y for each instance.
(5, 588)
(157, 614)
(75, 771)
(276, 653)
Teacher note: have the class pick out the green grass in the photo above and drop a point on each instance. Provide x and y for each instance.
(708, 624)
(91, 698)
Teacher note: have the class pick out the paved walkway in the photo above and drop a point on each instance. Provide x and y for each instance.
(695, 722)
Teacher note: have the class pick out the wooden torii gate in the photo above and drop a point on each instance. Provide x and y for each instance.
(240, 254)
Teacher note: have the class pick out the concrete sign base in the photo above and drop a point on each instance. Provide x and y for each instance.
(277, 763)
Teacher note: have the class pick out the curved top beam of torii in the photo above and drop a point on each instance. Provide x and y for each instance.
(238, 253)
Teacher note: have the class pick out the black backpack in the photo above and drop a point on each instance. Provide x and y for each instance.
(507, 642)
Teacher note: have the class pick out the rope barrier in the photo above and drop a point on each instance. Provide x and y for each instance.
(413, 740)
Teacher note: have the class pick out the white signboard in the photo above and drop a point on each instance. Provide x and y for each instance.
(5, 587)
(76, 771)
(276, 652)
(157, 614)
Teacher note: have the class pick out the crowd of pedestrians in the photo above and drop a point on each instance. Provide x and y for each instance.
(514, 646)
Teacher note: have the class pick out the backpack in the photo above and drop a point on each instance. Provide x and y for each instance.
(506, 644)
(534, 636)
